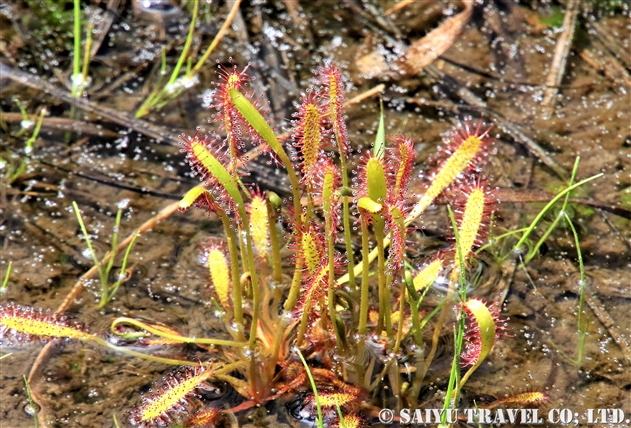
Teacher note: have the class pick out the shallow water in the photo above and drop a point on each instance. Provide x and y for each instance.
(502, 57)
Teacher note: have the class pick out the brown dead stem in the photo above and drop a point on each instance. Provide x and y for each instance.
(419, 54)
(559, 61)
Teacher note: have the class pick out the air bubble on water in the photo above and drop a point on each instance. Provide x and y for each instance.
(123, 203)
(27, 123)
(86, 253)
(272, 34)
(30, 409)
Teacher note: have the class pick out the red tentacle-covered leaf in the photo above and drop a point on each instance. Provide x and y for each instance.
(217, 197)
(170, 399)
(460, 134)
(478, 342)
(239, 132)
(214, 146)
(395, 215)
(315, 286)
(227, 116)
(400, 160)
(325, 168)
(309, 133)
(22, 324)
(308, 245)
(331, 78)
(465, 151)
(464, 190)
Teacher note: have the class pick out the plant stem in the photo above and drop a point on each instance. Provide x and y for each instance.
(347, 218)
(156, 97)
(187, 46)
(331, 296)
(451, 398)
(534, 251)
(175, 337)
(314, 389)
(422, 365)
(86, 59)
(147, 357)
(400, 320)
(5, 282)
(28, 146)
(442, 317)
(384, 304)
(274, 238)
(304, 322)
(237, 291)
(328, 205)
(31, 401)
(114, 288)
(105, 296)
(533, 225)
(99, 265)
(256, 292)
(76, 60)
(582, 327)
(363, 309)
(217, 39)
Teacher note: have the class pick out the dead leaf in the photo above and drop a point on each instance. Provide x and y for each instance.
(421, 53)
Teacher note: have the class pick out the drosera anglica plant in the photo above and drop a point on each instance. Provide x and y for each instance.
(342, 350)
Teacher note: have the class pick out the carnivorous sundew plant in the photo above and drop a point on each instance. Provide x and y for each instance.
(352, 304)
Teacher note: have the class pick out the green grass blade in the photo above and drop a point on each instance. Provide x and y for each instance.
(535, 250)
(582, 325)
(5, 282)
(117, 223)
(119, 281)
(76, 60)
(31, 402)
(554, 200)
(319, 421)
(28, 146)
(84, 231)
(380, 139)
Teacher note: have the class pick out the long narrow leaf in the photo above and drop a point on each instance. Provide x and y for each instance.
(380, 139)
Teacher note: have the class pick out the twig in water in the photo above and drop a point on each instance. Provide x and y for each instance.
(557, 68)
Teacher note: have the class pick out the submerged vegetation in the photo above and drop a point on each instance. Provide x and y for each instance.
(347, 333)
